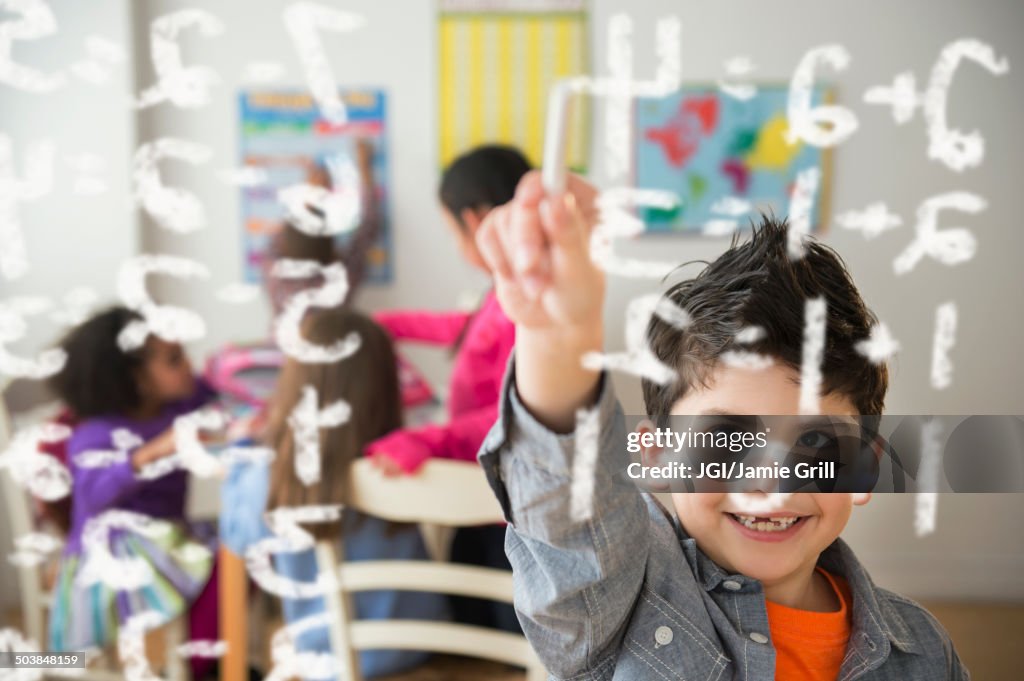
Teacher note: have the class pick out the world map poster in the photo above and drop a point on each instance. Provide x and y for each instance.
(726, 159)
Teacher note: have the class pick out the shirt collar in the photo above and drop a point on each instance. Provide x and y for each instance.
(873, 614)
(876, 624)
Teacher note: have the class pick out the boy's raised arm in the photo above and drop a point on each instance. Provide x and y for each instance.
(576, 580)
(538, 248)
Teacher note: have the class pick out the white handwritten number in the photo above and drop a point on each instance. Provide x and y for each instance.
(302, 19)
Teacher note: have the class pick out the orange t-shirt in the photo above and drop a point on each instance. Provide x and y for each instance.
(810, 645)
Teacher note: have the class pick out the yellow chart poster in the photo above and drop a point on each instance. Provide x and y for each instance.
(498, 59)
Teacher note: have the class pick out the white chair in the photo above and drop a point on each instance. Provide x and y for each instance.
(35, 601)
(448, 493)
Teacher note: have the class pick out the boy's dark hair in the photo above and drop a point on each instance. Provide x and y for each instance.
(758, 284)
(484, 177)
(99, 378)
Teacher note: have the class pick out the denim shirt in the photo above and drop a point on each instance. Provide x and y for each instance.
(628, 595)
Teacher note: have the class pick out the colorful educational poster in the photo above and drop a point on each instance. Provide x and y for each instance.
(498, 60)
(726, 159)
(286, 141)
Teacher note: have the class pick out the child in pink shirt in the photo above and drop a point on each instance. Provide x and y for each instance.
(483, 341)
(474, 184)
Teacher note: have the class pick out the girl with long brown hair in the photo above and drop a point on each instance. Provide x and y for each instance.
(368, 382)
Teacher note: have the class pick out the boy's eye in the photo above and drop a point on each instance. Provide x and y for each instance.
(814, 440)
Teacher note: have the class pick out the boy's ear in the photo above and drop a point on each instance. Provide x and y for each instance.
(651, 456)
(861, 498)
(878, 446)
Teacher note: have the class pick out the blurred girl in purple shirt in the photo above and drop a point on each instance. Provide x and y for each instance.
(126, 404)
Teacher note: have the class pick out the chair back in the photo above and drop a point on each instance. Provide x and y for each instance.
(449, 493)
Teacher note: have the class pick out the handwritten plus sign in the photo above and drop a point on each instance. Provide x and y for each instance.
(901, 96)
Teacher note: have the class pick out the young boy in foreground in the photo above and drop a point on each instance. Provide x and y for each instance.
(732, 587)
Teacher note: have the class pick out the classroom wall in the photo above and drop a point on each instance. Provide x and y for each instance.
(395, 55)
(396, 50)
(79, 118)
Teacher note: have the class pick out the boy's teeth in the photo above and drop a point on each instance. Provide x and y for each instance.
(766, 525)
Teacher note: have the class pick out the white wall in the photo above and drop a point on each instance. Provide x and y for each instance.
(978, 550)
(72, 241)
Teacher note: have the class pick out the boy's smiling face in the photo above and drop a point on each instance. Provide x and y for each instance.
(771, 554)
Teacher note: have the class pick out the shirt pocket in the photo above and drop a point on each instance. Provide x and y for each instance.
(661, 643)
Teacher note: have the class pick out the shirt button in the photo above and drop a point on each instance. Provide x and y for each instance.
(732, 585)
(758, 637)
(663, 636)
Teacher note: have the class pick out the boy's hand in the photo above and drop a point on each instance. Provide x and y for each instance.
(538, 248)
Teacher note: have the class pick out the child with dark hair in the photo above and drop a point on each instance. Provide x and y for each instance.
(473, 184)
(750, 584)
(117, 395)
